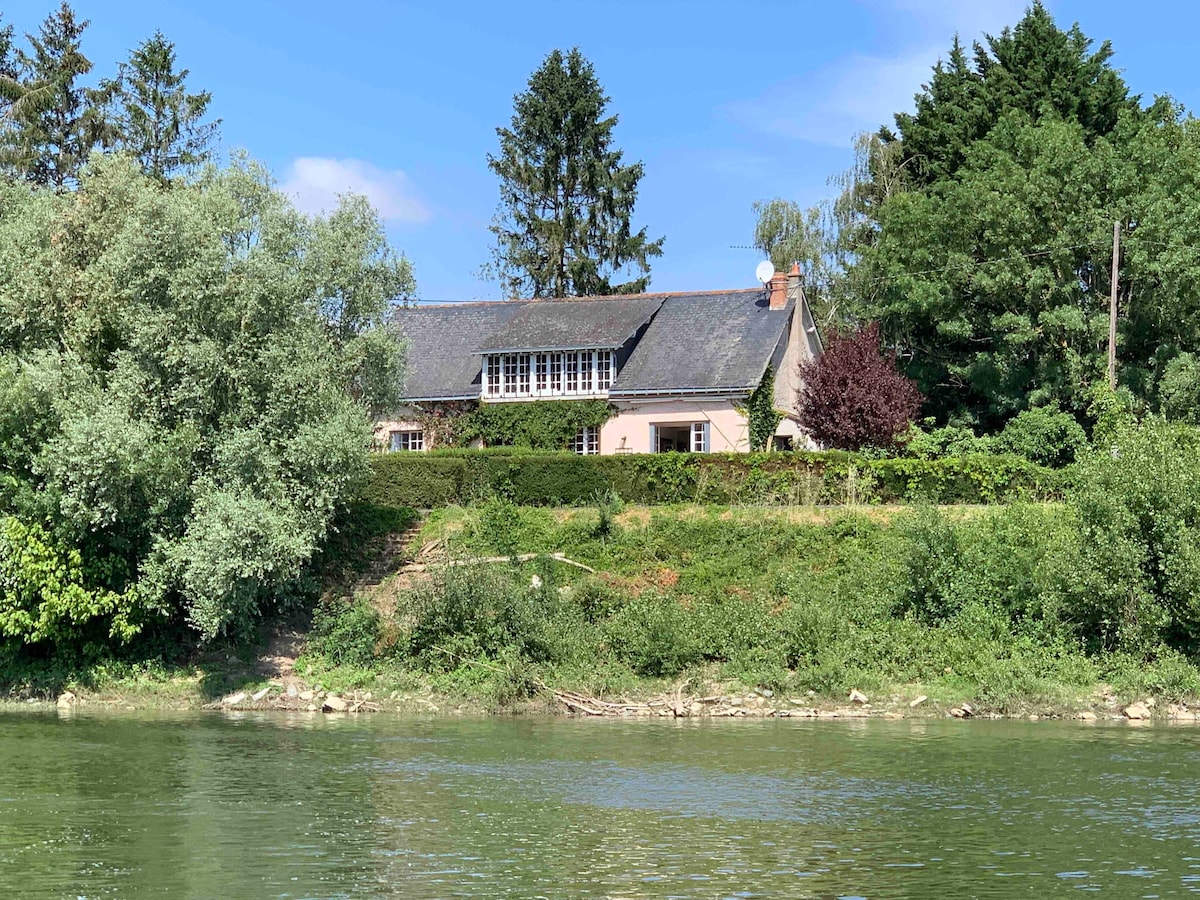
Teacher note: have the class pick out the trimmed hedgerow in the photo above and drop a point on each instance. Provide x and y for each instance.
(807, 478)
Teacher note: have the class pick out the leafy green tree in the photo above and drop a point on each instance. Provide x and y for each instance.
(566, 200)
(183, 392)
(1035, 69)
(148, 111)
(53, 124)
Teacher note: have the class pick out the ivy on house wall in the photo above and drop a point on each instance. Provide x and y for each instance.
(761, 414)
(540, 425)
(443, 423)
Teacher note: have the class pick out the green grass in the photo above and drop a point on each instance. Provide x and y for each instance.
(960, 604)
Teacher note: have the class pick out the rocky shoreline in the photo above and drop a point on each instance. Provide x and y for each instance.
(757, 704)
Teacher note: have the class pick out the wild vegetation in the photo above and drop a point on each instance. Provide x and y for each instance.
(1012, 606)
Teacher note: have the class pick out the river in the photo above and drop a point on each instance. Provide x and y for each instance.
(204, 805)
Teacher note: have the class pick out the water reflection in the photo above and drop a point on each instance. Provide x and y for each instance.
(203, 805)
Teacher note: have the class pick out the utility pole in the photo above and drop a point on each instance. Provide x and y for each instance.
(1112, 308)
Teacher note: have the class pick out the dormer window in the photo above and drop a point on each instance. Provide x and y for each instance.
(569, 373)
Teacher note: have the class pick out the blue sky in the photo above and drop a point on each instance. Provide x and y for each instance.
(725, 103)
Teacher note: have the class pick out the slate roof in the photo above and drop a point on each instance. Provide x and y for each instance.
(442, 360)
(719, 342)
(697, 342)
(573, 324)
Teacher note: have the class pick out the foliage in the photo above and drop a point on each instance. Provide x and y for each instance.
(544, 425)
(1034, 69)
(53, 124)
(852, 395)
(563, 225)
(931, 442)
(182, 383)
(148, 112)
(761, 415)
(46, 597)
(978, 232)
(346, 633)
(1179, 389)
(1137, 498)
(975, 604)
(425, 481)
(1045, 435)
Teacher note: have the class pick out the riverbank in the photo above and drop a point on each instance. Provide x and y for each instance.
(683, 700)
(693, 612)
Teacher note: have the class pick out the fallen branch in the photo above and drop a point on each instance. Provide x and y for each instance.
(489, 560)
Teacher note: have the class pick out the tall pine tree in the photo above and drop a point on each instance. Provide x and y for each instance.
(149, 113)
(52, 122)
(563, 225)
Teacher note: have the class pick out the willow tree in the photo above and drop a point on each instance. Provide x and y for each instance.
(566, 198)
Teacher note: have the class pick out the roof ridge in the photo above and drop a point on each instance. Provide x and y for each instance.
(649, 295)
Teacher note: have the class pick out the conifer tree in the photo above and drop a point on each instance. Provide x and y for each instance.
(566, 200)
(52, 122)
(149, 113)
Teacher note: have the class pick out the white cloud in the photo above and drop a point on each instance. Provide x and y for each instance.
(314, 183)
(860, 92)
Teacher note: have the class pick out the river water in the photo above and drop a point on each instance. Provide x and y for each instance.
(203, 805)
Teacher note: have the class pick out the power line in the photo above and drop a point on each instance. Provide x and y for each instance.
(966, 266)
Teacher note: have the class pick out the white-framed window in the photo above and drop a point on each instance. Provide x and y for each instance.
(604, 366)
(571, 364)
(684, 437)
(587, 441)
(510, 374)
(491, 369)
(587, 369)
(413, 440)
(583, 373)
(523, 374)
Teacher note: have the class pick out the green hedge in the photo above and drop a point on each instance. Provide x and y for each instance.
(565, 479)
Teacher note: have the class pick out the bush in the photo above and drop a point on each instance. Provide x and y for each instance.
(653, 635)
(1045, 435)
(1137, 569)
(832, 477)
(1179, 389)
(854, 396)
(346, 634)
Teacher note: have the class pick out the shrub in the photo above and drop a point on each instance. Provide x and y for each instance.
(1179, 389)
(830, 477)
(853, 396)
(397, 481)
(346, 634)
(937, 443)
(1137, 499)
(653, 635)
(1045, 435)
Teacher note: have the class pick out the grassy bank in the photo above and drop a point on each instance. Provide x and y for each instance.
(985, 605)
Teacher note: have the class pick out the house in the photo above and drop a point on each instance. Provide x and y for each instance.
(676, 368)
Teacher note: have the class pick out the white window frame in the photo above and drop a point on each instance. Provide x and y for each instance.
(566, 373)
(408, 440)
(587, 441)
(698, 435)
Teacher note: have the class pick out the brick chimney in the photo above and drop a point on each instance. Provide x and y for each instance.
(778, 286)
(795, 284)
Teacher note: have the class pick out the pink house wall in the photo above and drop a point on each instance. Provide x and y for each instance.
(629, 430)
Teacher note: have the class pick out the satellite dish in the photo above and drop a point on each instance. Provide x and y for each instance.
(765, 271)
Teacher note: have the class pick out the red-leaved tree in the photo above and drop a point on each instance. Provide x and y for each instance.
(853, 396)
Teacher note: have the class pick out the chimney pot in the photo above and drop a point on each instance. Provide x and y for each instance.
(778, 287)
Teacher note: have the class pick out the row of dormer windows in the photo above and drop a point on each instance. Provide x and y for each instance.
(573, 373)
